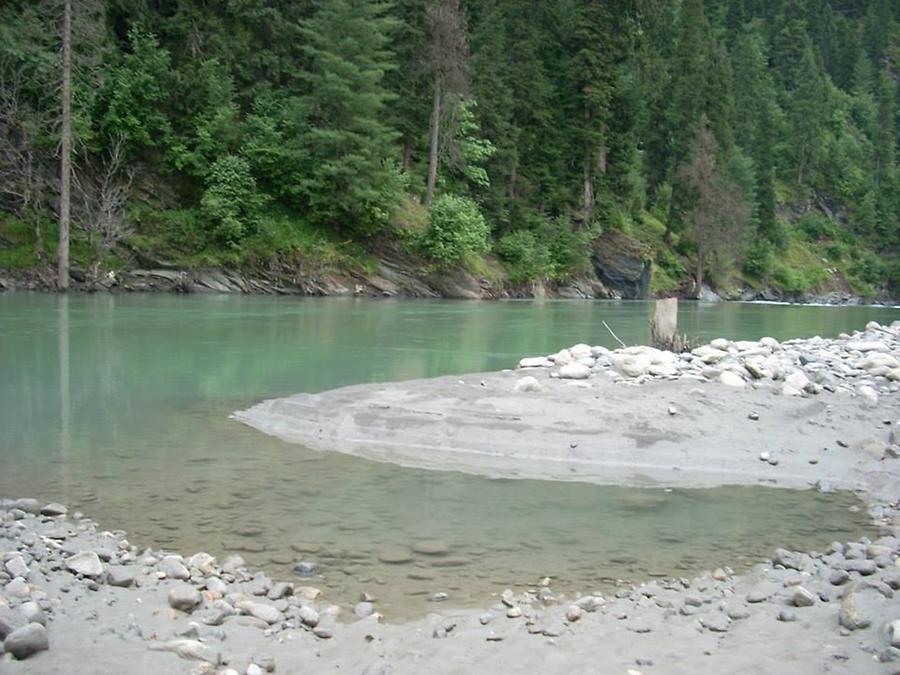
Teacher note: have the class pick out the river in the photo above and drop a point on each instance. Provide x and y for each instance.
(118, 405)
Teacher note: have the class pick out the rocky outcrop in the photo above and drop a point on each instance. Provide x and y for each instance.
(622, 264)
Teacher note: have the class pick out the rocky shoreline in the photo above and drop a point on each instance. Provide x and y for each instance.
(391, 278)
(77, 599)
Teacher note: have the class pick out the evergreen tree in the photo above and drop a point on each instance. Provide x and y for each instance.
(350, 181)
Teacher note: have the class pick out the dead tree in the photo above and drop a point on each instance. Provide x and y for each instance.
(23, 183)
(65, 160)
(718, 220)
(103, 188)
(447, 59)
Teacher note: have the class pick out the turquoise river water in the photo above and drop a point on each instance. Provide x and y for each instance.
(118, 405)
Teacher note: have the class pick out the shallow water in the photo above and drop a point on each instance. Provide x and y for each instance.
(118, 405)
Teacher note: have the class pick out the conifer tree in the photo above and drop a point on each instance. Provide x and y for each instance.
(350, 179)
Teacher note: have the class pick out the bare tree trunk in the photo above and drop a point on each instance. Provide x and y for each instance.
(407, 153)
(699, 269)
(435, 135)
(513, 179)
(587, 190)
(62, 279)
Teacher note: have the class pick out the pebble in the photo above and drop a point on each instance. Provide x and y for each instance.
(264, 661)
(737, 612)
(786, 616)
(31, 612)
(894, 632)
(527, 384)
(757, 596)
(306, 568)
(16, 567)
(85, 563)
(260, 610)
(184, 598)
(190, 650)
(395, 556)
(838, 577)
(54, 509)
(863, 567)
(364, 609)
(717, 623)
(849, 615)
(120, 575)
(27, 640)
(309, 616)
(868, 395)
(431, 547)
(174, 568)
(573, 613)
(803, 598)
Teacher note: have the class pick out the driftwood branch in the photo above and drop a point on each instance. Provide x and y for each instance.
(613, 334)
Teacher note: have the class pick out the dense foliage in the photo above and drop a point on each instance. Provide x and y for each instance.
(269, 130)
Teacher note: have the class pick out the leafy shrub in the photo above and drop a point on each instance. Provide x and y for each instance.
(815, 227)
(869, 269)
(759, 260)
(528, 258)
(456, 229)
(231, 203)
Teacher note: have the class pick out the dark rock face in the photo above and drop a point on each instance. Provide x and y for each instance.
(622, 264)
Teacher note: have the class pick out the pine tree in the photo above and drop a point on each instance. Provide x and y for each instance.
(807, 112)
(350, 182)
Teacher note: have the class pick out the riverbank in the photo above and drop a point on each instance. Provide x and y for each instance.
(76, 599)
(397, 277)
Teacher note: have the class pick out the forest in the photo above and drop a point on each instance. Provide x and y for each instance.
(743, 144)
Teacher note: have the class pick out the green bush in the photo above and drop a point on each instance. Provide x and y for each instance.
(527, 257)
(759, 260)
(869, 269)
(815, 227)
(231, 203)
(456, 230)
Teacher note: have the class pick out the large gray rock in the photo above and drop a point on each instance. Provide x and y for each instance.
(28, 505)
(528, 384)
(16, 566)
(9, 621)
(54, 509)
(184, 598)
(191, 650)
(574, 371)
(120, 575)
(85, 563)
(849, 616)
(309, 616)
(174, 568)
(27, 640)
(803, 598)
(260, 610)
(31, 612)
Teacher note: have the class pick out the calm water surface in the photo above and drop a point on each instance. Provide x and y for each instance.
(118, 405)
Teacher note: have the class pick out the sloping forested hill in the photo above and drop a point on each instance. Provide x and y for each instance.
(747, 144)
